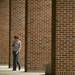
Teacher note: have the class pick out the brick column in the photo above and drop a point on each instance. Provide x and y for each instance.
(39, 34)
(18, 23)
(4, 31)
(65, 37)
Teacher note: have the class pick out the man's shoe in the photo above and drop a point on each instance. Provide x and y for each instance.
(13, 70)
(19, 68)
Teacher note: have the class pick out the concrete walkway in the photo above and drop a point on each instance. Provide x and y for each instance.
(4, 70)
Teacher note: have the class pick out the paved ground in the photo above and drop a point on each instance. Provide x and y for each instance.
(4, 70)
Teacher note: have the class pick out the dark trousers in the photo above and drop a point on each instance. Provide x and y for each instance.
(16, 61)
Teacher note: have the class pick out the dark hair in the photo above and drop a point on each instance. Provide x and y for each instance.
(16, 37)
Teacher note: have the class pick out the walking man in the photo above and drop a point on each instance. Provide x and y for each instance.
(16, 50)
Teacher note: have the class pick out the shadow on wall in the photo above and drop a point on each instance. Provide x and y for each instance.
(4, 4)
(2, 1)
(48, 69)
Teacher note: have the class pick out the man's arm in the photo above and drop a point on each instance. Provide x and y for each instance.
(19, 47)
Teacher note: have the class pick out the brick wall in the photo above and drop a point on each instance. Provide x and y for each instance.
(4, 31)
(39, 34)
(18, 23)
(39, 31)
(65, 37)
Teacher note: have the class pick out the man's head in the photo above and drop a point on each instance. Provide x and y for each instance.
(16, 37)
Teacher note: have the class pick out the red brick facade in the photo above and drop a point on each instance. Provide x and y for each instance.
(4, 31)
(18, 24)
(39, 33)
(65, 37)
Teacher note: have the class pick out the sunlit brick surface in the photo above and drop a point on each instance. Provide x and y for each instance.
(39, 34)
(4, 31)
(39, 31)
(65, 37)
(18, 23)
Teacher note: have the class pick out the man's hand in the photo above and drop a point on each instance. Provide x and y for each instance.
(17, 52)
